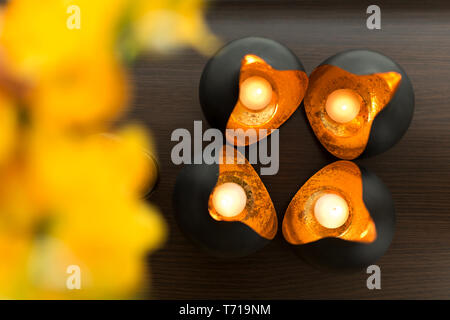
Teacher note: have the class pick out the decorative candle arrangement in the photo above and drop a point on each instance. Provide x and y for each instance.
(358, 103)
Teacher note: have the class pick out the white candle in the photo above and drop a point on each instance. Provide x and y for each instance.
(343, 105)
(255, 93)
(331, 211)
(229, 199)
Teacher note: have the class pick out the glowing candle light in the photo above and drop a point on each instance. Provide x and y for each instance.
(331, 211)
(229, 199)
(343, 105)
(255, 93)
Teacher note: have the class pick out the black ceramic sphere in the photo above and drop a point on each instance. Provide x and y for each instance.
(334, 253)
(219, 83)
(218, 238)
(393, 121)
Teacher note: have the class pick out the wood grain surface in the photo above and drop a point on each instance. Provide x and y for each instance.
(417, 169)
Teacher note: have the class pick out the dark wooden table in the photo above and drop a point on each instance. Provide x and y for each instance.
(416, 170)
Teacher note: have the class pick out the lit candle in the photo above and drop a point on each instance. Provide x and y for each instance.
(255, 93)
(343, 105)
(229, 199)
(331, 211)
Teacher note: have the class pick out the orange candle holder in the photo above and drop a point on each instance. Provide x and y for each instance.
(252, 85)
(359, 103)
(353, 230)
(225, 208)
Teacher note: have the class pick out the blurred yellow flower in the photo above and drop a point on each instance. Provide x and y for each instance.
(87, 211)
(89, 91)
(8, 125)
(165, 25)
(71, 195)
(73, 74)
(105, 223)
(36, 37)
